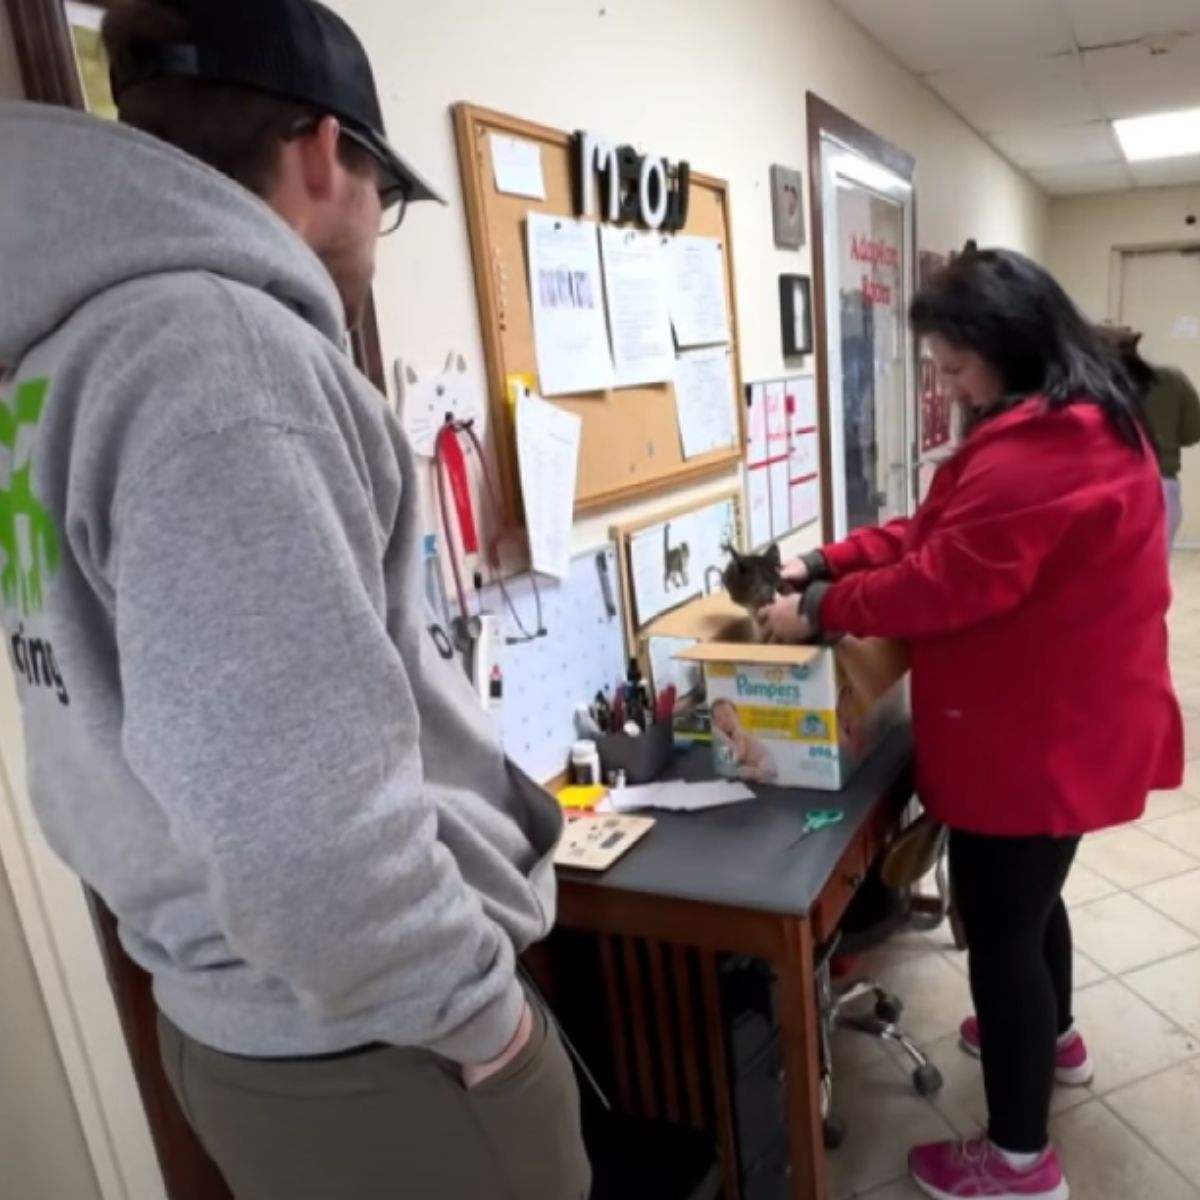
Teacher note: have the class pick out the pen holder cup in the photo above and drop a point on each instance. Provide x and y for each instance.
(643, 758)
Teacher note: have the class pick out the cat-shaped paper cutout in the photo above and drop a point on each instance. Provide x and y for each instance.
(424, 403)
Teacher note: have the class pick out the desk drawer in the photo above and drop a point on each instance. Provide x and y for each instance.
(847, 878)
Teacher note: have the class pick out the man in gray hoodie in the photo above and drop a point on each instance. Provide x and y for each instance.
(238, 730)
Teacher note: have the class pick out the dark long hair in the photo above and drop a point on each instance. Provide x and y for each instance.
(1006, 308)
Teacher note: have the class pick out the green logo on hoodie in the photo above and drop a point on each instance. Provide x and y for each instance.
(27, 534)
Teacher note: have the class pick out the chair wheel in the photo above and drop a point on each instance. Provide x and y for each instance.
(889, 1009)
(834, 1132)
(927, 1080)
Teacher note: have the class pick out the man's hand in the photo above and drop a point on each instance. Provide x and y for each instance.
(796, 574)
(784, 622)
(475, 1073)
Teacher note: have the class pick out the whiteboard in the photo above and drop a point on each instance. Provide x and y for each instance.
(582, 653)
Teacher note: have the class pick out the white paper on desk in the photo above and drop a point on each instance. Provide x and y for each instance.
(756, 445)
(548, 458)
(758, 504)
(705, 400)
(781, 500)
(517, 167)
(679, 797)
(639, 318)
(698, 309)
(567, 295)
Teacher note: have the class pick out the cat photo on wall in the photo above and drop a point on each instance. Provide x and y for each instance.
(675, 563)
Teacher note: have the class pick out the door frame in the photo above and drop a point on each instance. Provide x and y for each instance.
(824, 120)
(99, 1001)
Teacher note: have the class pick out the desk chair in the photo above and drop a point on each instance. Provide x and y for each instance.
(883, 906)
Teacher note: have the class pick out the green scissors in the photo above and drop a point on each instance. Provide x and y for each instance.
(817, 819)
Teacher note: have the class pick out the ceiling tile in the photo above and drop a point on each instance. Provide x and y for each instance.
(1008, 95)
(1059, 145)
(1166, 172)
(1081, 180)
(1103, 22)
(933, 35)
(1128, 81)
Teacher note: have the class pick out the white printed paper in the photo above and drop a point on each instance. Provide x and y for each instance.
(639, 318)
(517, 167)
(705, 400)
(668, 671)
(802, 402)
(777, 421)
(698, 308)
(806, 460)
(678, 796)
(781, 500)
(569, 327)
(806, 503)
(1185, 329)
(756, 446)
(548, 458)
(758, 504)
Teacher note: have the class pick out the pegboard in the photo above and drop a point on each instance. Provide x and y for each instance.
(582, 653)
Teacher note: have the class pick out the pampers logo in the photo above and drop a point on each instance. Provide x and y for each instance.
(771, 689)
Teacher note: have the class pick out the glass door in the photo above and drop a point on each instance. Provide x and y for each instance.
(868, 253)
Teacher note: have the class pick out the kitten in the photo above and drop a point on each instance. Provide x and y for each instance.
(754, 580)
(675, 562)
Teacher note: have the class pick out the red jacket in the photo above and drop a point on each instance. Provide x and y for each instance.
(1032, 590)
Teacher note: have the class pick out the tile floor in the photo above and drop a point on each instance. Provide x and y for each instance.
(1135, 905)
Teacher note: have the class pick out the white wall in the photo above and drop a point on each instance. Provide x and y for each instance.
(1086, 231)
(720, 83)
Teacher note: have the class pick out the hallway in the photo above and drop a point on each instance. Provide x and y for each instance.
(1134, 896)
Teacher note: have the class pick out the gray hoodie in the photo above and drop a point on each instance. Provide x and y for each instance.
(238, 730)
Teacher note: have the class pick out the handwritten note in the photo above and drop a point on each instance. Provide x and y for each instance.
(517, 167)
(698, 308)
(704, 398)
(781, 502)
(548, 458)
(639, 317)
(569, 327)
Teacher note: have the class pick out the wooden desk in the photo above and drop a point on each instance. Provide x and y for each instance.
(730, 881)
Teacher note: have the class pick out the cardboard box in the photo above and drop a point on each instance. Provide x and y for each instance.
(797, 716)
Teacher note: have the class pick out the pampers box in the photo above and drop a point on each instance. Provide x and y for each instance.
(798, 716)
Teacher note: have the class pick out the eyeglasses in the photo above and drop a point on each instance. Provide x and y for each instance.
(393, 193)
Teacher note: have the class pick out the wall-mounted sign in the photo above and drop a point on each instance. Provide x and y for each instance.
(635, 187)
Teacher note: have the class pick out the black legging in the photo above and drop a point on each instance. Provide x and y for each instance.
(1009, 896)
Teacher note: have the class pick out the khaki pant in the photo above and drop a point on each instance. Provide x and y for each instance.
(385, 1123)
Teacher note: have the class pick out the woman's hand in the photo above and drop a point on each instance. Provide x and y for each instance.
(784, 621)
(796, 574)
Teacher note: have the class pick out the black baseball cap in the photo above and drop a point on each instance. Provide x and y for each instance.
(294, 49)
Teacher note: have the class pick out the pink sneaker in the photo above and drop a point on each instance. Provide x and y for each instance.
(1072, 1066)
(956, 1170)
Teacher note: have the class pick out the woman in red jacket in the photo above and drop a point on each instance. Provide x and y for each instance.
(1032, 589)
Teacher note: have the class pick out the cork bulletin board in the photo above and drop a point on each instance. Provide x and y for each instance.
(630, 445)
